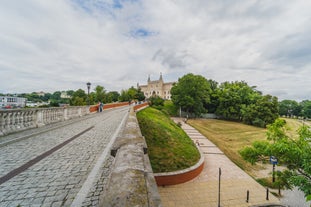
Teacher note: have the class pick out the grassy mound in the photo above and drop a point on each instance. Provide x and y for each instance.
(169, 147)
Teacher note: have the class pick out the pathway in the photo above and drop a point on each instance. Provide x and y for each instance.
(203, 190)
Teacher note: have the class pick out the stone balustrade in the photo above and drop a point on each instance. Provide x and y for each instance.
(20, 119)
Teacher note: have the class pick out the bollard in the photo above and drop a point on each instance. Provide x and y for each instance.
(267, 194)
(247, 196)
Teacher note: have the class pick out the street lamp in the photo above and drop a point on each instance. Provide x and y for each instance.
(88, 84)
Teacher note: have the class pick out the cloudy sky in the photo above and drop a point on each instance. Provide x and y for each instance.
(62, 44)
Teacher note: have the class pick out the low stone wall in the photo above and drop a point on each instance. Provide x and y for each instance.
(181, 176)
(131, 182)
(15, 120)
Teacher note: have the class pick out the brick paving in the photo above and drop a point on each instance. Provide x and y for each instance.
(57, 179)
(203, 190)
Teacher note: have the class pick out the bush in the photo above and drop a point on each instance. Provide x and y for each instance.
(156, 101)
(249, 154)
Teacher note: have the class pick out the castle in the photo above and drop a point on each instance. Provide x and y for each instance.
(157, 88)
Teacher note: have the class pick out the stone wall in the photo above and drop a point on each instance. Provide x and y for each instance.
(131, 182)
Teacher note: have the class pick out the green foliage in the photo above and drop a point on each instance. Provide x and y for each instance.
(156, 101)
(256, 152)
(169, 147)
(240, 102)
(191, 93)
(132, 94)
(262, 112)
(100, 94)
(294, 153)
(169, 108)
(291, 108)
(112, 96)
(78, 98)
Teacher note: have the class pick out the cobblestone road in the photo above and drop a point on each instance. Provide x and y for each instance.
(57, 179)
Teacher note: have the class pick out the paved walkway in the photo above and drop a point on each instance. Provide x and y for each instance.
(203, 190)
(74, 175)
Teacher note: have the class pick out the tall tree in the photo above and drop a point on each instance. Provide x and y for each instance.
(100, 93)
(306, 108)
(191, 93)
(262, 112)
(78, 98)
(233, 96)
(289, 108)
(113, 96)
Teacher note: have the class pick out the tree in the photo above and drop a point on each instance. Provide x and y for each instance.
(212, 105)
(112, 96)
(100, 93)
(191, 93)
(233, 97)
(293, 153)
(262, 112)
(306, 108)
(289, 108)
(79, 98)
(132, 94)
(156, 101)
(124, 96)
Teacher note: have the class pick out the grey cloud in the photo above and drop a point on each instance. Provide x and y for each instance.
(172, 59)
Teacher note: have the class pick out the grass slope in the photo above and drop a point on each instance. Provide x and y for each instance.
(169, 147)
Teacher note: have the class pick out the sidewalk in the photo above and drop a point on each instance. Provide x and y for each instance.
(203, 190)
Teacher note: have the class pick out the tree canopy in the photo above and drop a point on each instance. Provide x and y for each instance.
(191, 93)
(292, 153)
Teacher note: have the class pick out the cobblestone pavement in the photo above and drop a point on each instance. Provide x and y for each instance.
(57, 179)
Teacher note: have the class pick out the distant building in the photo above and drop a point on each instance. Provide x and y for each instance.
(64, 95)
(157, 88)
(41, 93)
(12, 102)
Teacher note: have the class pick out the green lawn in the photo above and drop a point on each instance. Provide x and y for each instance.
(169, 147)
(231, 137)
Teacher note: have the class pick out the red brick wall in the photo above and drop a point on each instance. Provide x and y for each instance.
(178, 178)
(140, 106)
(108, 106)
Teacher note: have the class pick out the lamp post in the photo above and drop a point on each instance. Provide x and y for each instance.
(88, 84)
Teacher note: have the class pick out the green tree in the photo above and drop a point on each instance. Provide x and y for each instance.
(289, 108)
(124, 96)
(233, 97)
(112, 96)
(212, 105)
(262, 112)
(100, 93)
(191, 93)
(293, 153)
(306, 108)
(156, 101)
(79, 98)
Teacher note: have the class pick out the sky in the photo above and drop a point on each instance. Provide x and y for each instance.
(63, 44)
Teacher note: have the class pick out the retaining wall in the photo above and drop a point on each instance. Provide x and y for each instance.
(131, 182)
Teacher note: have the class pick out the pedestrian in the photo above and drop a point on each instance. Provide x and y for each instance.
(197, 142)
(100, 106)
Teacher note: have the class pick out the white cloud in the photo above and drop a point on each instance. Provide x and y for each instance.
(60, 45)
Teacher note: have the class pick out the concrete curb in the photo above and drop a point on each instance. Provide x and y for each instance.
(180, 176)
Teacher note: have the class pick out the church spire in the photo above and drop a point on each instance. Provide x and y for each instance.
(161, 79)
(148, 79)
